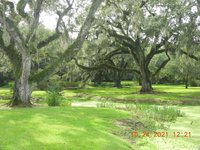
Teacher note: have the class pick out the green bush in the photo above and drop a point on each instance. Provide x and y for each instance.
(54, 98)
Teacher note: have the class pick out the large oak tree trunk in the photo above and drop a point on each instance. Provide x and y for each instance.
(187, 81)
(145, 80)
(146, 86)
(22, 88)
(145, 74)
(117, 79)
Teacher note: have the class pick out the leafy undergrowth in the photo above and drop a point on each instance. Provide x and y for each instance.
(60, 128)
(145, 118)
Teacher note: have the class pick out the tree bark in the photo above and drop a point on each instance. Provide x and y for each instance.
(22, 88)
(98, 78)
(145, 80)
(145, 72)
(117, 79)
(146, 86)
(118, 84)
(187, 81)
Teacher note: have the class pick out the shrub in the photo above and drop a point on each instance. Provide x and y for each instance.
(54, 97)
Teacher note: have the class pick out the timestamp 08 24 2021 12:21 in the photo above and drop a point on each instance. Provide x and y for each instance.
(161, 134)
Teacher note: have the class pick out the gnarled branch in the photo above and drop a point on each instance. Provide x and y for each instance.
(163, 64)
(189, 55)
(73, 49)
(57, 33)
(35, 21)
(21, 9)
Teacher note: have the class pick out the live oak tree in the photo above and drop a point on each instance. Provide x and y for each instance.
(21, 47)
(144, 29)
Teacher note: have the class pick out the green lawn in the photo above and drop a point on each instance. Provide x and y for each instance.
(164, 94)
(86, 128)
(60, 128)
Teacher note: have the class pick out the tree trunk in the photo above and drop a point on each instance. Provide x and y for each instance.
(186, 81)
(98, 78)
(117, 79)
(118, 84)
(146, 86)
(22, 88)
(145, 81)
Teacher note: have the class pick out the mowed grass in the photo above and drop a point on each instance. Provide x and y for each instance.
(129, 93)
(60, 128)
(167, 93)
(77, 128)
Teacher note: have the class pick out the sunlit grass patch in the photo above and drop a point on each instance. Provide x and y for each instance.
(60, 128)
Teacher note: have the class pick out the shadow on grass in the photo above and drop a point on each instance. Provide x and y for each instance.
(59, 128)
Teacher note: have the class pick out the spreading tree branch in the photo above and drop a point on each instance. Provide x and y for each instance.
(118, 51)
(73, 49)
(155, 50)
(97, 67)
(21, 9)
(190, 55)
(14, 57)
(35, 21)
(13, 31)
(57, 33)
(164, 63)
(104, 65)
(121, 69)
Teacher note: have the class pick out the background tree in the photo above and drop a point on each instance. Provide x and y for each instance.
(144, 29)
(101, 60)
